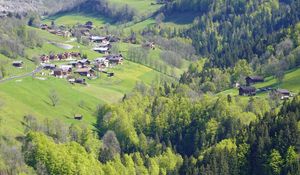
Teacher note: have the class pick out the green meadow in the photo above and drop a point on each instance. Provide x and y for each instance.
(30, 96)
(70, 19)
(290, 82)
(10, 70)
(139, 6)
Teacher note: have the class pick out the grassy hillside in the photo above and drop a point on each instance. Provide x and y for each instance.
(291, 82)
(10, 70)
(70, 19)
(20, 97)
(178, 21)
(141, 6)
(30, 95)
(155, 55)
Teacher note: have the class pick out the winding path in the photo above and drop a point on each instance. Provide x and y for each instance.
(38, 69)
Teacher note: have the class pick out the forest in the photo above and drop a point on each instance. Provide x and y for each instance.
(165, 130)
(176, 125)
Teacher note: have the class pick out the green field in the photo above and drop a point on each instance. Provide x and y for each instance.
(70, 19)
(291, 82)
(155, 55)
(142, 7)
(30, 96)
(10, 70)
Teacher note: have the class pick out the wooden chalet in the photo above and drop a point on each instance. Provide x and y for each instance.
(67, 55)
(78, 117)
(253, 79)
(53, 57)
(110, 74)
(150, 45)
(98, 39)
(18, 64)
(247, 91)
(75, 54)
(61, 56)
(49, 66)
(83, 63)
(284, 94)
(80, 80)
(104, 50)
(88, 72)
(45, 27)
(89, 25)
(77, 80)
(44, 59)
(115, 59)
(60, 73)
(102, 61)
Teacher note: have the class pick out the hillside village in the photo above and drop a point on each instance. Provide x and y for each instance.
(149, 87)
(75, 66)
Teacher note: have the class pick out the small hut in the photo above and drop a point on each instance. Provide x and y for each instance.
(247, 90)
(18, 64)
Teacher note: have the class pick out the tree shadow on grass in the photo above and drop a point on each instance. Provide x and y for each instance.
(48, 103)
(181, 18)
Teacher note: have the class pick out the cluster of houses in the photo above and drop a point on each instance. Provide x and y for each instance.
(60, 31)
(102, 44)
(60, 56)
(85, 29)
(249, 90)
(150, 45)
(81, 67)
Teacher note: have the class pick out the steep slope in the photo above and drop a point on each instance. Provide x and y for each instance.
(41, 6)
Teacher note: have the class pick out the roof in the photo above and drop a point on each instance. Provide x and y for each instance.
(102, 59)
(83, 70)
(247, 88)
(255, 77)
(82, 61)
(49, 65)
(97, 37)
(114, 58)
(18, 62)
(283, 91)
(101, 49)
(79, 80)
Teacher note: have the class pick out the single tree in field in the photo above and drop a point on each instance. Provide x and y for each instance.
(111, 146)
(279, 75)
(115, 49)
(54, 98)
(2, 72)
(36, 60)
(280, 69)
(159, 19)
